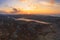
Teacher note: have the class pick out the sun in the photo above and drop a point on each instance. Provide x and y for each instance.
(27, 10)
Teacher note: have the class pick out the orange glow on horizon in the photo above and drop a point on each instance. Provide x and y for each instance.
(33, 11)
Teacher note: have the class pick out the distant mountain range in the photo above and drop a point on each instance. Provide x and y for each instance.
(57, 15)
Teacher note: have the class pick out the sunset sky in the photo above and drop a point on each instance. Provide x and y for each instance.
(30, 6)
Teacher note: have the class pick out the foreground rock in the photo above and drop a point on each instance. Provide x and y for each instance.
(26, 30)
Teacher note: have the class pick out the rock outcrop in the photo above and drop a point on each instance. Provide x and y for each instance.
(26, 30)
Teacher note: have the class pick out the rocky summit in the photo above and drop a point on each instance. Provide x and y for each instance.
(26, 29)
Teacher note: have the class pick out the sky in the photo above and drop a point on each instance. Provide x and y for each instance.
(30, 6)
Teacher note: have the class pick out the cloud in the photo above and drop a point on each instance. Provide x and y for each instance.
(14, 10)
